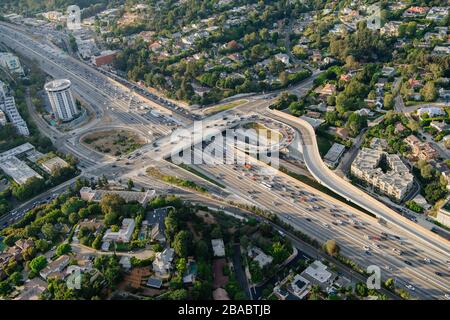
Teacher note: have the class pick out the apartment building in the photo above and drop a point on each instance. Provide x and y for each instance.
(395, 182)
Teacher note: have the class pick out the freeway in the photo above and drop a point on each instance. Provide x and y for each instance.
(318, 218)
(100, 91)
(326, 177)
(220, 205)
(292, 202)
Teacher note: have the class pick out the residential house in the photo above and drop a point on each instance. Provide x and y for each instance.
(54, 268)
(327, 90)
(440, 126)
(123, 235)
(163, 263)
(300, 286)
(218, 247)
(256, 254)
(318, 274)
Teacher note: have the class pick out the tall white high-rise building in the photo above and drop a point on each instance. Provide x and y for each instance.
(61, 99)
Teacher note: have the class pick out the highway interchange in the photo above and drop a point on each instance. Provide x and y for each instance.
(314, 213)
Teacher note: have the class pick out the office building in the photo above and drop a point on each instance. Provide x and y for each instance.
(334, 155)
(11, 63)
(61, 99)
(17, 169)
(106, 57)
(8, 106)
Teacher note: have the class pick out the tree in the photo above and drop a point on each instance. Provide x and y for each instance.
(48, 231)
(72, 205)
(331, 247)
(361, 289)
(429, 92)
(10, 240)
(179, 294)
(16, 278)
(130, 185)
(283, 77)
(255, 271)
(111, 203)
(279, 252)
(41, 245)
(171, 225)
(38, 263)
(299, 52)
(426, 172)
(74, 217)
(201, 250)
(412, 205)
(5, 288)
(434, 191)
(331, 117)
(388, 101)
(181, 266)
(355, 123)
(63, 249)
(181, 243)
(216, 233)
(30, 188)
(389, 283)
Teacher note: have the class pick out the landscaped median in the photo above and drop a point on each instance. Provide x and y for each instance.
(155, 173)
(223, 107)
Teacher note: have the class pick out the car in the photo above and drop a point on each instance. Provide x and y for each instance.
(440, 274)
(408, 262)
(427, 260)
(447, 296)
(308, 219)
(410, 287)
(366, 248)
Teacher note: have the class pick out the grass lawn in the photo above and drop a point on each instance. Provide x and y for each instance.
(225, 106)
(2, 246)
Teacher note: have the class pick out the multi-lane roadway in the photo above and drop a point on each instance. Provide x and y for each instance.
(308, 210)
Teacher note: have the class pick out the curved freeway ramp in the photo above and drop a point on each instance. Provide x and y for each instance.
(350, 192)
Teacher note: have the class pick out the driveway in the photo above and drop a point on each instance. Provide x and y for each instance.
(240, 271)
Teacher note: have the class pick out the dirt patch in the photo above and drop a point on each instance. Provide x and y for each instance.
(220, 280)
(114, 142)
(135, 279)
(207, 217)
(192, 229)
